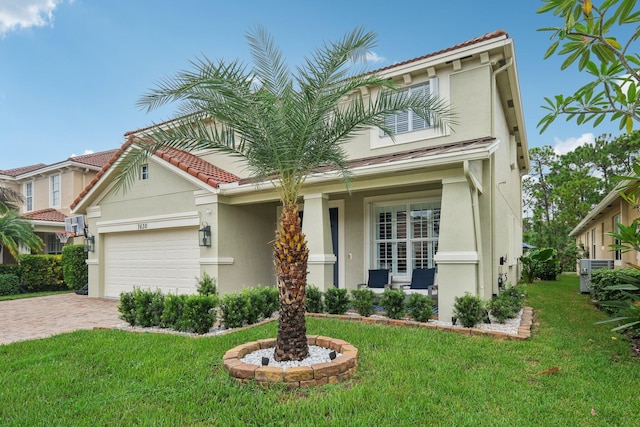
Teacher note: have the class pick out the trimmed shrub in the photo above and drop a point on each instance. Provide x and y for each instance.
(149, 306)
(257, 304)
(9, 284)
(420, 307)
(392, 300)
(235, 310)
(336, 300)
(363, 300)
(173, 309)
(273, 300)
(198, 313)
(313, 303)
(127, 308)
(41, 272)
(74, 266)
(469, 310)
(207, 285)
(602, 279)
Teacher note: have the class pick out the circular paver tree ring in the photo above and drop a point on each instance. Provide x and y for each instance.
(340, 369)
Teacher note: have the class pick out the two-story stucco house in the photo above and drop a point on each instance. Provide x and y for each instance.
(48, 191)
(448, 200)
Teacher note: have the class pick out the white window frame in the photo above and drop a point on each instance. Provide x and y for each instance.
(409, 239)
(413, 121)
(593, 243)
(28, 196)
(617, 253)
(55, 194)
(144, 172)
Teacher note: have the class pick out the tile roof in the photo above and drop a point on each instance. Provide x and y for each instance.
(482, 38)
(22, 170)
(45, 215)
(94, 159)
(193, 165)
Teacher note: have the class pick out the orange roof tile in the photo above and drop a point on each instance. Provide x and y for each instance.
(193, 165)
(21, 170)
(94, 159)
(45, 215)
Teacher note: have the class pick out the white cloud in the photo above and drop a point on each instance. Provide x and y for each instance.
(561, 147)
(16, 14)
(85, 152)
(374, 57)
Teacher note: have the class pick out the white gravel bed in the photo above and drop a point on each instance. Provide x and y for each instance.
(317, 354)
(510, 326)
(216, 330)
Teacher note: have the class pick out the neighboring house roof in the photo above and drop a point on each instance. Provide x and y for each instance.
(605, 203)
(22, 170)
(93, 161)
(49, 214)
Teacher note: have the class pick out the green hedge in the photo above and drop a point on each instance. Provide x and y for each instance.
(9, 284)
(602, 278)
(10, 269)
(74, 266)
(41, 272)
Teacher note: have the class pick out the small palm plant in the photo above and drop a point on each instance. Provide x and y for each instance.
(285, 125)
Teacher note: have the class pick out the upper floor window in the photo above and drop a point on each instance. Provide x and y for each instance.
(144, 172)
(28, 196)
(55, 190)
(408, 120)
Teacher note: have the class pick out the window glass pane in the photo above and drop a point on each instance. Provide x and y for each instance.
(401, 224)
(402, 258)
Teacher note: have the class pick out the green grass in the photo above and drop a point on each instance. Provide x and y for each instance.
(32, 295)
(406, 377)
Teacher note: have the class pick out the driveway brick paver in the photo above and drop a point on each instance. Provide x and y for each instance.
(40, 317)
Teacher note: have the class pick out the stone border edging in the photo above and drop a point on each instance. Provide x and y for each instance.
(524, 330)
(340, 369)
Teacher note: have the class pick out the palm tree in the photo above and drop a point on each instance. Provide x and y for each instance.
(9, 200)
(284, 125)
(15, 230)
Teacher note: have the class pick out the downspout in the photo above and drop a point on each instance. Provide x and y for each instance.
(473, 188)
(508, 63)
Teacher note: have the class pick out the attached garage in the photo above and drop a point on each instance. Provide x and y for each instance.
(167, 259)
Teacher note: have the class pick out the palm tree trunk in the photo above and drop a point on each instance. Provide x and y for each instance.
(290, 256)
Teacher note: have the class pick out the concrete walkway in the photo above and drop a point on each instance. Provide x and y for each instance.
(40, 317)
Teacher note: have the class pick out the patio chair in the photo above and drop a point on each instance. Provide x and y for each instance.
(422, 281)
(378, 281)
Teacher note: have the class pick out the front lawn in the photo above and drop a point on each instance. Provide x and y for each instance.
(32, 295)
(406, 376)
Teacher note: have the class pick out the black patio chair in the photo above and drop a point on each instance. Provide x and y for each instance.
(378, 281)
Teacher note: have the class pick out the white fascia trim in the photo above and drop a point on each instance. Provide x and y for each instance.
(217, 261)
(92, 261)
(457, 257)
(363, 171)
(183, 219)
(322, 259)
(40, 223)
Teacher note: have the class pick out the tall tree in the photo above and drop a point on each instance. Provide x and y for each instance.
(14, 231)
(285, 125)
(592, 34)
(9, 200)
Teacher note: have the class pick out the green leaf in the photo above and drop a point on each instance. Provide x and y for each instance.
(552, 49)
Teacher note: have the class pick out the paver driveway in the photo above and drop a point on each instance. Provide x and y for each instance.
(30, 318)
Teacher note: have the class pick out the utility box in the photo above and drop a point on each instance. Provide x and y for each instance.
(589, 265)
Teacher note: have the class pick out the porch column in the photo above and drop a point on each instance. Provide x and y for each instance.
(317, 229)
(457, 256)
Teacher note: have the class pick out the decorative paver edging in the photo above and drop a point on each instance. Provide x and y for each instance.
(524, 330)
(340, 369)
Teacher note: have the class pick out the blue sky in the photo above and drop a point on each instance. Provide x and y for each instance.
(72, 70)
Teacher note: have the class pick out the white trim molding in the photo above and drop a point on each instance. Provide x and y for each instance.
(322, 259)
(217, 261)
(457, 257)
(183, 219)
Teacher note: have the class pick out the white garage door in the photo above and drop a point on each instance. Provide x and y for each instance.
(163, 259)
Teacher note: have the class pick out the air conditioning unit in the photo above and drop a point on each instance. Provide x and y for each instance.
(589, 265)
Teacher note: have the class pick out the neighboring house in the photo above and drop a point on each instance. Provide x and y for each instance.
(592, 231)
(451, 200)
(48, 190)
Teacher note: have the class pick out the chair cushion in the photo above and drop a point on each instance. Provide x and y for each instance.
(378, 278)
(422, 278)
